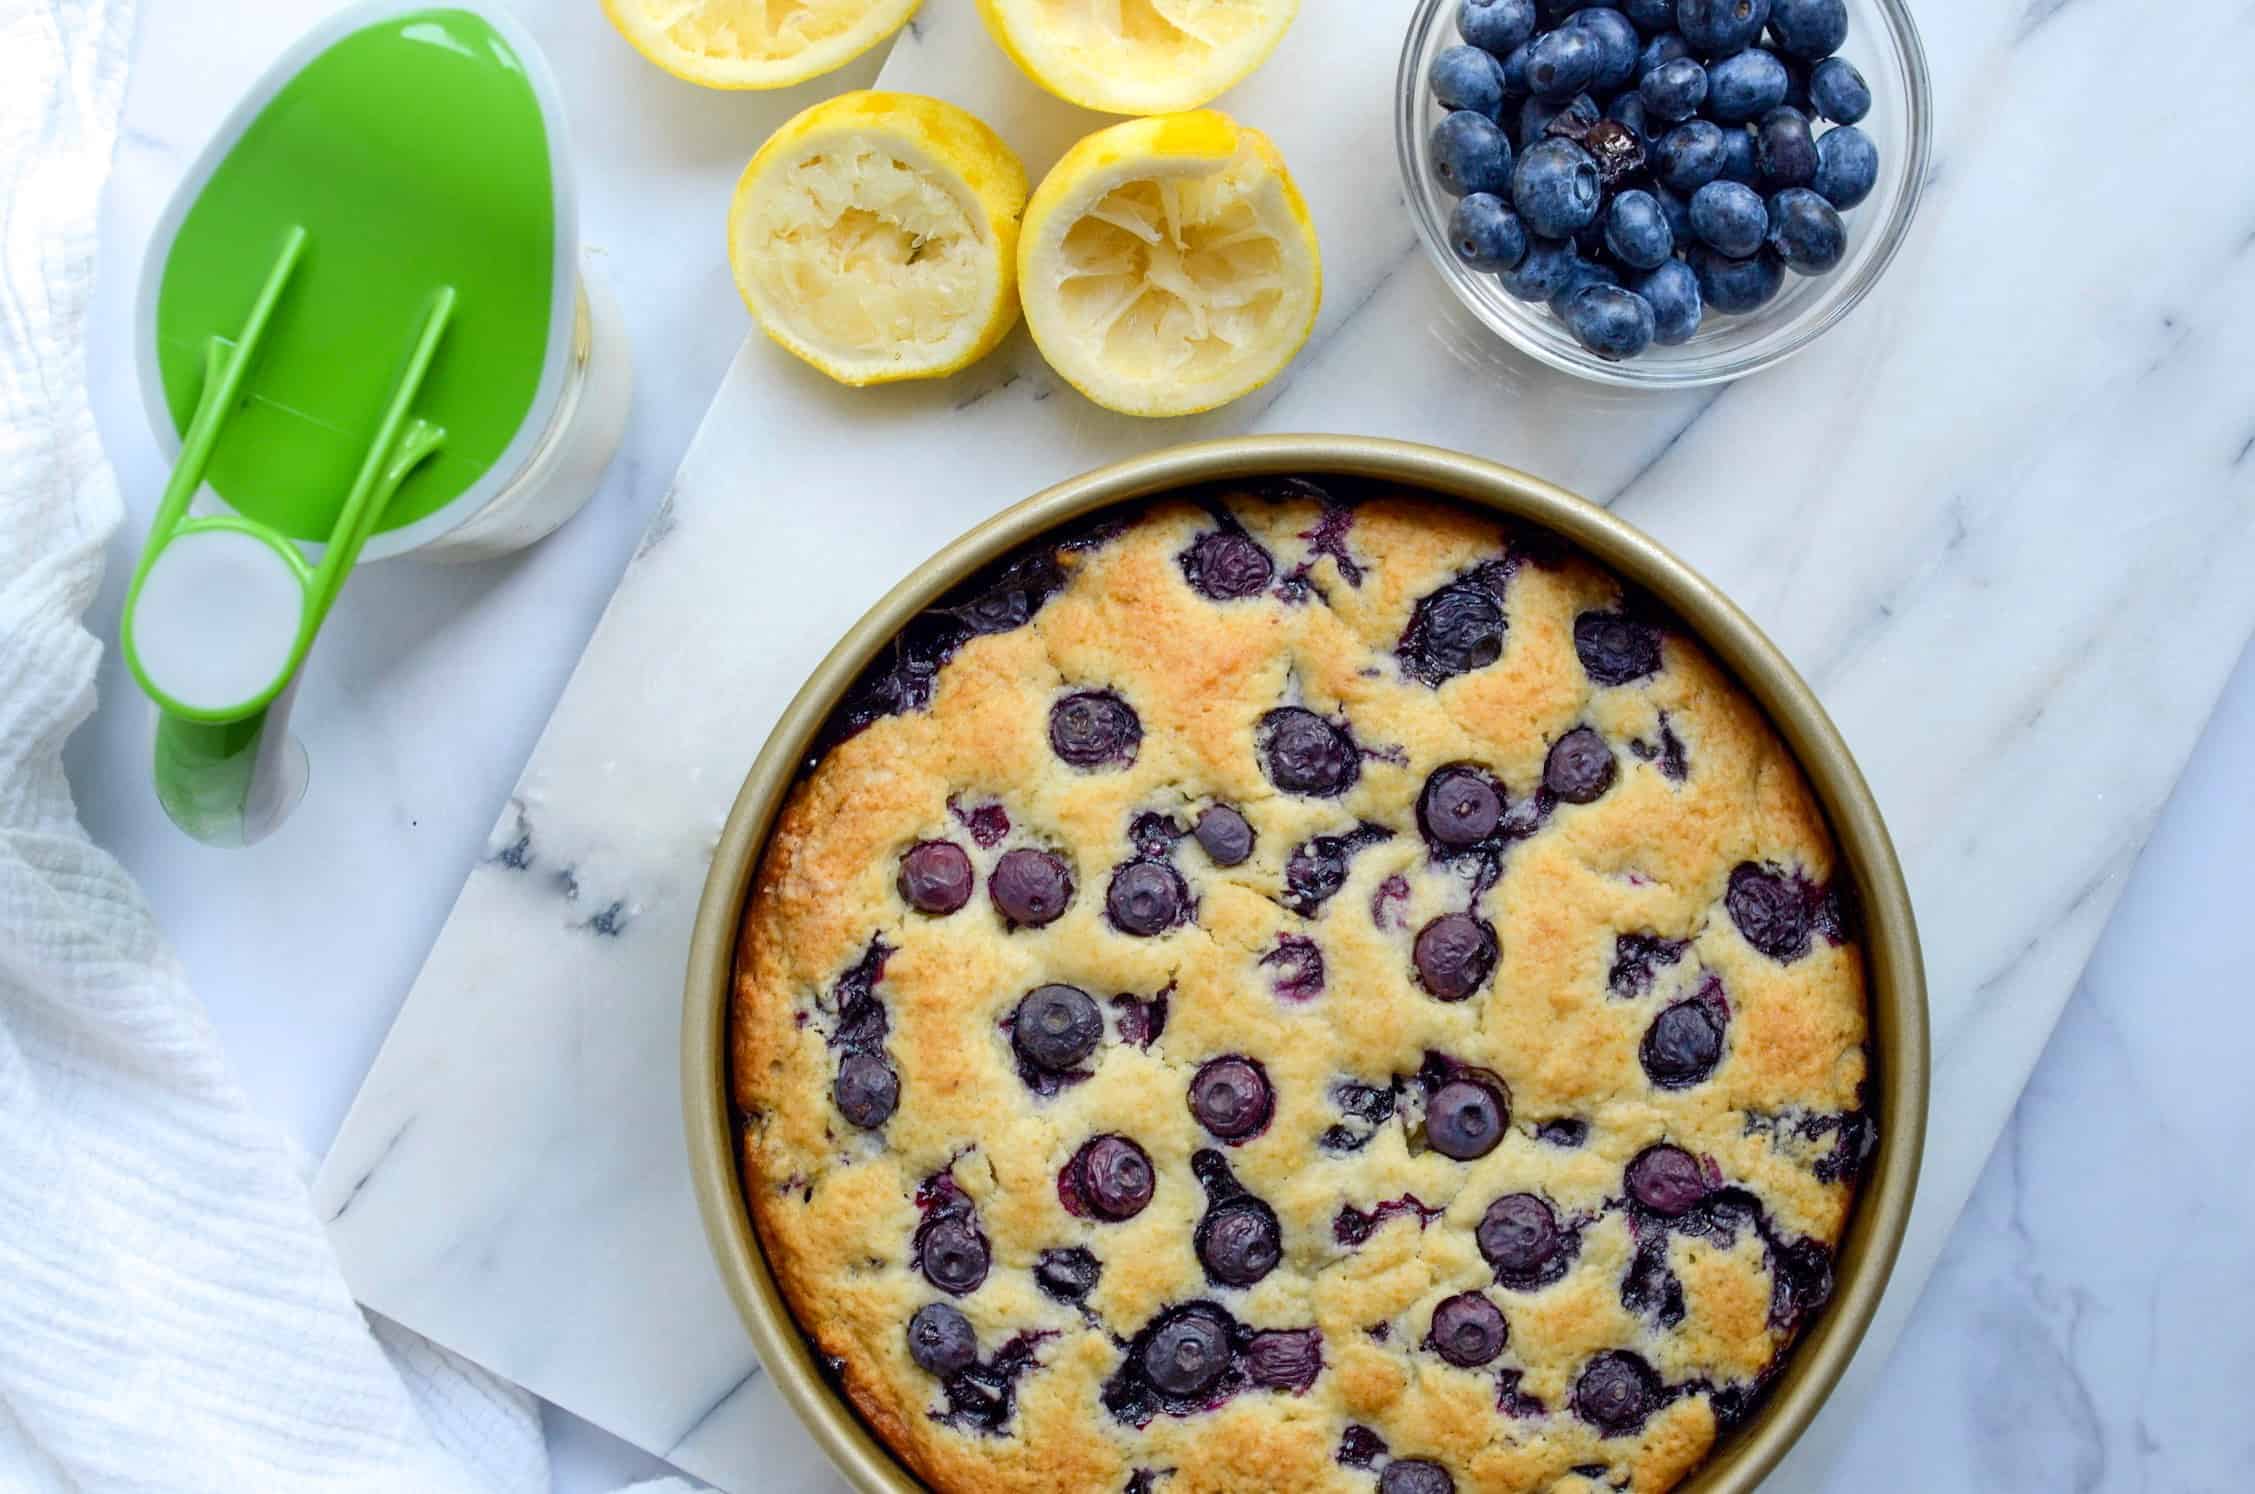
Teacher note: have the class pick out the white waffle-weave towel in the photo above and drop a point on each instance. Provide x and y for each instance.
(171, 1317)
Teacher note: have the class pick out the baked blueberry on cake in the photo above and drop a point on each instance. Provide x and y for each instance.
(1300, 989)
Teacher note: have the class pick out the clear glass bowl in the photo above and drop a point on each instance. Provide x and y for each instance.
(1882, 43)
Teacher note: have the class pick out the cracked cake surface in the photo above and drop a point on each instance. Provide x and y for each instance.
(1290, 993)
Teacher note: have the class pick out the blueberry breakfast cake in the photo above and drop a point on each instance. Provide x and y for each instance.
(1301, 988)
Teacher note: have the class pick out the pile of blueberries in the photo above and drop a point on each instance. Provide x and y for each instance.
(1637, 163)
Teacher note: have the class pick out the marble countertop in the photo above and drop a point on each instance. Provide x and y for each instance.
(2043, 1354)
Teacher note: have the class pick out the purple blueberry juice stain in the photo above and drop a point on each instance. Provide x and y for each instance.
(866, 1089)
(1667, 754)
(1352, 1226)
(1154, 835)
(1366, 1107)
(1317, 869)
(1637, 957)
(1514, 1402)
(1855, 1137)
(1360, 1448)
(1329, 537)
(1389, 905)
(1298, 964)
(1565, 1131)
(1140, 1022)
(984, 1397)
(987, 823)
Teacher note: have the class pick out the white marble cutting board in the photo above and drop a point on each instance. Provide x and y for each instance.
(2002, 519)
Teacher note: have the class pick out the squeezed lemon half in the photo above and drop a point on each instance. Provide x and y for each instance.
(755, 43)
(1169, 265)
(1138, 56)
(876, 235)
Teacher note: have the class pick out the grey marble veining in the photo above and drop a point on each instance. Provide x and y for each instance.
(2003, 518)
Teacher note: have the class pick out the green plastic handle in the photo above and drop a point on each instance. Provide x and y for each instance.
(228, 776)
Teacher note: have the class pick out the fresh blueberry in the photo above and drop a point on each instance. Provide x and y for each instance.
(1486, 234)
(1637, 231)
(1465, 1119)
(1847, 167)
(1068, 1274)
(1785, 152)
(1454, 956)
(1667, 1180)
(940, 1340)
(1468, 1330)
(1683, 1045)
(935, 877)
(1730, 217)
(1674, 90)
(1030, 888)
(1095, 729)
(1612, 322)
(1520, 1236)
(1231, 1098)
(1616, 1392)
(1838, 92)
(1745, 86)
(1187, 1352)
(1305, 754)
(1651, 16)
(952, 1254)
(1627, 109)
(1769, 910)
(1228, 564)
(1542, 272)
(1470, 154)
(1515, 71)
(1617, 44)
(1495, 25)
(1616, 649)
(1736, 286)
(1676, 208)
(1560, 63)
(1145, 898)
(1809, 29)
(1057, 1026)
(1717, 28)
(1468, 78)
(867, 1090)
(1689, 156)
(1586, 272)
(1285, 1359)
(1580, 767)
(1740, 163)
(1461, 627)
(1806, 231)
(1113, 1177)
(1460, 807)
(1661, 50)
(1415, 1476)
(1676, 305)
(1224, 835)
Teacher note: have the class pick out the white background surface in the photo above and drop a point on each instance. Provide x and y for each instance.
(2085, 1331)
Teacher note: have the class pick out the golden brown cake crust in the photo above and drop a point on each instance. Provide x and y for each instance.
(1606, 915)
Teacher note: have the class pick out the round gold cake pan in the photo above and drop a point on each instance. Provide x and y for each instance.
(1898, 1085)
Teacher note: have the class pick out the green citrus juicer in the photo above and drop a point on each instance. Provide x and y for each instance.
(364, 327)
